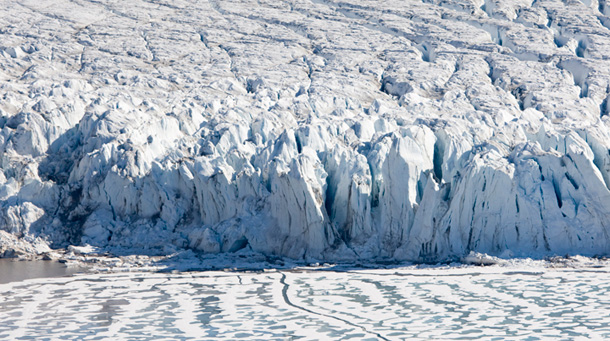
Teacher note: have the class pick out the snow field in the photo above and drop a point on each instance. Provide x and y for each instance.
(509, 303)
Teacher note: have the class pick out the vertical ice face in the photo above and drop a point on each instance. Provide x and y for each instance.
(314, 129)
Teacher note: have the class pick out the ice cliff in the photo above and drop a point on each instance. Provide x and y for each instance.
(334, 130)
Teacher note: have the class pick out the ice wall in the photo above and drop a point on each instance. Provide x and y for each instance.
(336, 130)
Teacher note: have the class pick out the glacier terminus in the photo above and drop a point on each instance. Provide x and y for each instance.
(310, 129)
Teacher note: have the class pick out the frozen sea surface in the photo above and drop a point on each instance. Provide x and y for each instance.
(375, 304)
(13, 270)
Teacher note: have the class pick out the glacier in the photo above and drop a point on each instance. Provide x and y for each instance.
(331, 130)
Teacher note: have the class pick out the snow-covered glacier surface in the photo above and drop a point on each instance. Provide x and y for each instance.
(331, 130)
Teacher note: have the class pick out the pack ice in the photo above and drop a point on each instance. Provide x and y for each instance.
(331, 130)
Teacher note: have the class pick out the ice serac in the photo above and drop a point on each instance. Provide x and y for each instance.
(329, 130)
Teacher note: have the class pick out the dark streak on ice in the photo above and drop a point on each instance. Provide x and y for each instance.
(287, 300)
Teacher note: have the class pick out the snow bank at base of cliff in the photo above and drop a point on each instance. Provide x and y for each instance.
(332, 130)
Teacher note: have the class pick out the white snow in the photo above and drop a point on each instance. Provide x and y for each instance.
(505, 302)
(329, 130)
